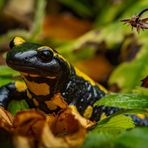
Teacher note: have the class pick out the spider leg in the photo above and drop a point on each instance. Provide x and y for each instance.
(138, 28)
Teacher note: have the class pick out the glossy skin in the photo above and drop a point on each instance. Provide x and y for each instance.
(46, 74)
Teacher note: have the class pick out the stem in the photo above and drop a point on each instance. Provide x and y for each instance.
(139, 15)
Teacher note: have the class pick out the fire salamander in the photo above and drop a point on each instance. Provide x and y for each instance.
(46, 73)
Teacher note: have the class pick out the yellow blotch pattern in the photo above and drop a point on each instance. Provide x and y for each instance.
(83, 75)
(141, 116)
(21, 86)
(50, 105)
(88, 112)
(38, 88)
(103, 116)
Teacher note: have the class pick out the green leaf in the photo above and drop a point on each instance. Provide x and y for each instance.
(4, 81)
(39, 16)
(141, 90)
(78, 7)
(135, 138)
(2, 2)
(7, 71)
(7, 75)
(128, 101)
(111, 12)
(135, 8)
(95, 37)
(98, 140)
(114, 125)
(17, 105)
(129, 74)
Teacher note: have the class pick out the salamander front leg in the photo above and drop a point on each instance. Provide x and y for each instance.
(12, 91)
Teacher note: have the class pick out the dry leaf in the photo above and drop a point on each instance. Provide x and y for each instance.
(6, 120)
(64, 27)
(98, 67)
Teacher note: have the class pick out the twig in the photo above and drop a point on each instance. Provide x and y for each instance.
(137, 22)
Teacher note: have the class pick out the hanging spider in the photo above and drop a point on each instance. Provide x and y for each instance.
(137, 21)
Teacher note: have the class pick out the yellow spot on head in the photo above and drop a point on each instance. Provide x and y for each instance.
(18, 41)
(88, 112)
(21, 86)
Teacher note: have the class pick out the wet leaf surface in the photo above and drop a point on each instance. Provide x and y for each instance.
(127, 101)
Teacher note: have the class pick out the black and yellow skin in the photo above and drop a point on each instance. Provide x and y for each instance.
(46, 73)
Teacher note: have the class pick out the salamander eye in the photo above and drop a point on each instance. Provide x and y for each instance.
(45, 54)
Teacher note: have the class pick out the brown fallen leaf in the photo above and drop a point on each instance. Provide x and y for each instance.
(6, 120)
(23, 142)
(34, 127)
(64, 27)
(72, 128)
(24, 121)
(98, 67)
(48, 139)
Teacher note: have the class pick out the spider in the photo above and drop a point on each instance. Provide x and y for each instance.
(137, 22)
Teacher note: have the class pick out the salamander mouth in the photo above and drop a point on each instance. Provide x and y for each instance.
(30, 70)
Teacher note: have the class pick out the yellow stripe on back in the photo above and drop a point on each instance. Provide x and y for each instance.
(83, 75)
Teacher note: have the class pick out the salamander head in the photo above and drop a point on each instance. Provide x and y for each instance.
(35, 61)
